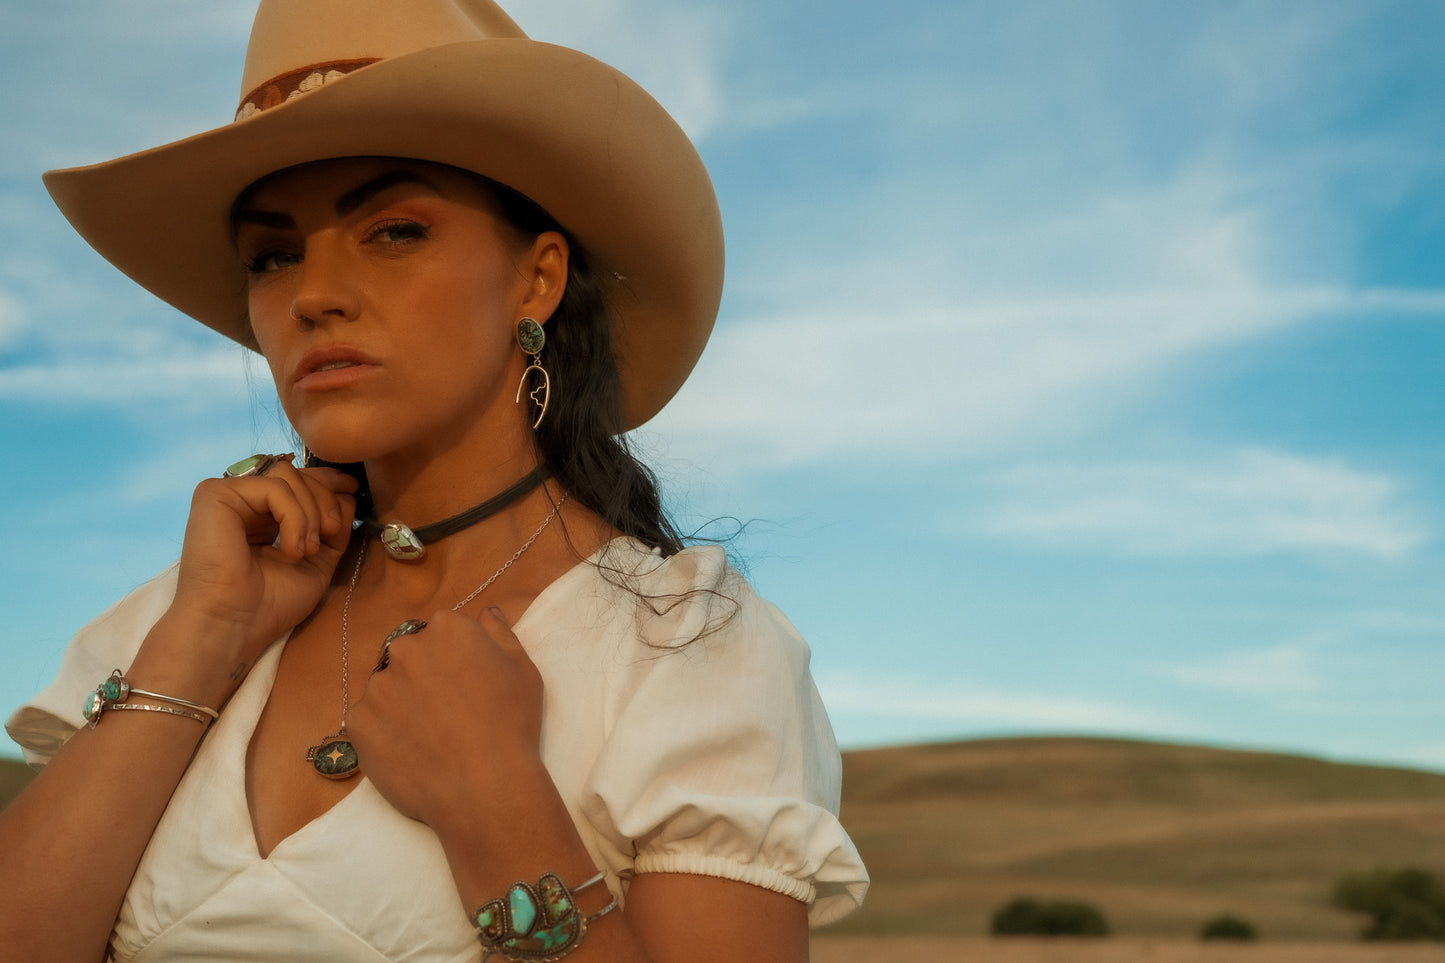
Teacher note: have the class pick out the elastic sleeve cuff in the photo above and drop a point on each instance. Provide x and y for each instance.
(702, 864)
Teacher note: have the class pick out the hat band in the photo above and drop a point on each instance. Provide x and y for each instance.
(294, 83)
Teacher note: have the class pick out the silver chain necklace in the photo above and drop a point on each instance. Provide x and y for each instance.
(335, 757)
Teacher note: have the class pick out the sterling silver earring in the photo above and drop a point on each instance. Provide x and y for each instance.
(531, 339)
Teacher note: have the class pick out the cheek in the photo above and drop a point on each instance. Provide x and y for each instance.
(267, 342)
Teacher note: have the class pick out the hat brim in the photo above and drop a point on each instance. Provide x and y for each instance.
(571, 133)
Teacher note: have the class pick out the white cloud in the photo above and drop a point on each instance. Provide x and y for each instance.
(1287, 669)
(971, 377)
(183, 377)
(958, 702)
(1235, 503)
(674, 50)
(12, 319)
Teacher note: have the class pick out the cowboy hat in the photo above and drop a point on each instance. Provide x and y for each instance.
(450, 81)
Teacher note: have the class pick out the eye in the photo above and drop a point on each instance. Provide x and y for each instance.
(271, 261)
(397, 233)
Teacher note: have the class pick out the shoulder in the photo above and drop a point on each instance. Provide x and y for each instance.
(663, 603)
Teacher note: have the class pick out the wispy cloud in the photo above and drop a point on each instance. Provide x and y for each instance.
(1232, 503)
(959, 702)
(969, 377)
(1290, 668)
(188, 378)
(674, 50)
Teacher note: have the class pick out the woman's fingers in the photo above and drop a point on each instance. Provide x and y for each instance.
(294, 508)
(492, 621)
(482, 641)
(407, 728)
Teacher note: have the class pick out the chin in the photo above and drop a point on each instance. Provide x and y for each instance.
(338, 448)
(344, 437)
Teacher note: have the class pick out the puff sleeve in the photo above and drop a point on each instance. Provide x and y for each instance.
(109, 641)
(718, 757)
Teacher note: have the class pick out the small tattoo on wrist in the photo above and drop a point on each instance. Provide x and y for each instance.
(238, 671)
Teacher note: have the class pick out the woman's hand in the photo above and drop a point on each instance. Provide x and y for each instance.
(258, 555)
(452, 721)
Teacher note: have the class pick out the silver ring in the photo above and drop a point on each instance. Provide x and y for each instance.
(409, 627)
(251, 465)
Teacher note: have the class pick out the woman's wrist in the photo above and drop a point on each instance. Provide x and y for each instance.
(192, 658)
(508, 833)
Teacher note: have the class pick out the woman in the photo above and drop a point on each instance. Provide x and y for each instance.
(469, 695)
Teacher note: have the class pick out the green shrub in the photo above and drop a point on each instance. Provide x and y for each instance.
(1408, 920)
(1018, 917)
(1227, 926)
(1404, 904)
(1029, 917)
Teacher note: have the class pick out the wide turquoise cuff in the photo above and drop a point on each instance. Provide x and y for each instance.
(535, 924)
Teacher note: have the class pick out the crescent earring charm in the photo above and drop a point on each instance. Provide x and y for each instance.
(531, 339)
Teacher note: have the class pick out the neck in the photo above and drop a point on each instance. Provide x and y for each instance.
(453, 565)
(423, 491)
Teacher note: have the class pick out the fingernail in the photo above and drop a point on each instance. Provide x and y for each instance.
(496, 612)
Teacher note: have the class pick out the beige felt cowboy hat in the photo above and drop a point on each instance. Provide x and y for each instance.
(450, 81)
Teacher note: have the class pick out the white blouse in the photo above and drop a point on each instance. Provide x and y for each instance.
(681, 740)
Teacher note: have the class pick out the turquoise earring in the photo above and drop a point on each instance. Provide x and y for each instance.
(531, 339)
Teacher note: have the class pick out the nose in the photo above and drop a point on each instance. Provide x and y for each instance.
(326, 291)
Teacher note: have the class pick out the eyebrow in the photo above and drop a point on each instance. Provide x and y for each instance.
(358, 196)
(345, 204)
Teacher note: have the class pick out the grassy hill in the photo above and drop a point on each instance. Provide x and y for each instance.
(13, 777)
(1159, 837)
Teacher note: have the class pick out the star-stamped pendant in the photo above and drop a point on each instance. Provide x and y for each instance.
(335, 757)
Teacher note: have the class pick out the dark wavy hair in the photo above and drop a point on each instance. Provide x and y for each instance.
(579, 439)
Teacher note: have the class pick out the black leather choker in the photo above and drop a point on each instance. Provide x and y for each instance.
(409, 545)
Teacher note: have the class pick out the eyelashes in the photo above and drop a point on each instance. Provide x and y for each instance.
(400, 232)
(396, 235)
(269, 262)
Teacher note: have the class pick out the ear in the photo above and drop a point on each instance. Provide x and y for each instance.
(546, 266)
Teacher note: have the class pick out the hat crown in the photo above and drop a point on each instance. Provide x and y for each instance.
(293, 35)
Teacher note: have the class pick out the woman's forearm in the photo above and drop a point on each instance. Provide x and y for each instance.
(70, 843)
(72, 840)
(493, 843)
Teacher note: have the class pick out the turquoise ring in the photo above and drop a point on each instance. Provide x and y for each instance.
(251, 465)
(409, 627)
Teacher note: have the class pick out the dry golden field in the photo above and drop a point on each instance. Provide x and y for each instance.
(964, 949)
(1159, 837)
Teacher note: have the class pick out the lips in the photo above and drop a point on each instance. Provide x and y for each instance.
(332, 366)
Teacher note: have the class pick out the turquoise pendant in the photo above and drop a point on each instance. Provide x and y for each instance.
(401, 543)
(335, 758)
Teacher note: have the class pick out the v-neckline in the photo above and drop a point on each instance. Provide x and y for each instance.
(271, 661)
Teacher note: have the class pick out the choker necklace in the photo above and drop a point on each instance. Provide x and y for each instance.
(409, 544)
(335, 757)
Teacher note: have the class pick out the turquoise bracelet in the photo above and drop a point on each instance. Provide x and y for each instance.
(536, 924)
(115, 690)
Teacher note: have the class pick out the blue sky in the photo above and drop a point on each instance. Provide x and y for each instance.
(1081, 367)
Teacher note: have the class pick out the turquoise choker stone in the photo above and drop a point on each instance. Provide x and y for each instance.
(406, 544)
